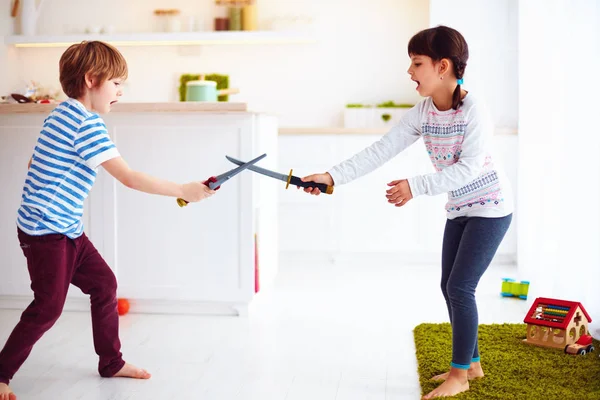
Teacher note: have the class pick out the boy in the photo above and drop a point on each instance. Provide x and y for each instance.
(72, 144)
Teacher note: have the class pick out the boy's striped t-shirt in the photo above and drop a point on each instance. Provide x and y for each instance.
(72, 144)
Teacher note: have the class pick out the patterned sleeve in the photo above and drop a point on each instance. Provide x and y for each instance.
(93, 144)
(401, 136)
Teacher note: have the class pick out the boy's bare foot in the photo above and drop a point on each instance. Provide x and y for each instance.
(130, 371)
(451, 387)
(475, 371)
(6, 393)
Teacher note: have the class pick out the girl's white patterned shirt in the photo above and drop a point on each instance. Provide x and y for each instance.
(457, 142)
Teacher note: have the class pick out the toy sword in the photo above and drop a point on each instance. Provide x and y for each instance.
(289, 179)
(215, 182)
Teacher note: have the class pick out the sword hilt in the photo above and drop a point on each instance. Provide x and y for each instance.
(182, 203)
(294, 180)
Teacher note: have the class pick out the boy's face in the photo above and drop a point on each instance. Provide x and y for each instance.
(102, 97)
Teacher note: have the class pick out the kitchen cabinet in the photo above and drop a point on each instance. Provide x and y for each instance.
(197, 259)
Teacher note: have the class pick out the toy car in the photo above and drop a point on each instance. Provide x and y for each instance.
(581, 347)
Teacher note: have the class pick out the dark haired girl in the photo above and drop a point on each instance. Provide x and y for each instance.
(455, 129)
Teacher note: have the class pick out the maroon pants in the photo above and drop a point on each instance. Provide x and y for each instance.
(54, 262)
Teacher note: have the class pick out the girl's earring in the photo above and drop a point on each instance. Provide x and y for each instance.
(442, 77)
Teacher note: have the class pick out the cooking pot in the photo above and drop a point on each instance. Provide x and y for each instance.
(203, 90)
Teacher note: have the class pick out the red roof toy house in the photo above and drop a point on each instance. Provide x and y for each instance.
(556, 323)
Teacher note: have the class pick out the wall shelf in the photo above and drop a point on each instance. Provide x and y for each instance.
(166, 39)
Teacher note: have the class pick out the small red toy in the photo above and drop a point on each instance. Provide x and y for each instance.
(122, 306)
(581, 347)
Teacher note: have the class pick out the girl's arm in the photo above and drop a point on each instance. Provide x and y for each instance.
(391, 144)
(469, 165)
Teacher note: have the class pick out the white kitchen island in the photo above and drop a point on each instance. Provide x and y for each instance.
(197, 259)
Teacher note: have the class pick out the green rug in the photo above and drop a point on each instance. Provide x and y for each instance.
(513, 369)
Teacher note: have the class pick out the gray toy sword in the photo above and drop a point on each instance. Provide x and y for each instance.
(215, 182)
(289, 179)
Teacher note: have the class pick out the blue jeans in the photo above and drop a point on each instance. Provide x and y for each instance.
(470, 244)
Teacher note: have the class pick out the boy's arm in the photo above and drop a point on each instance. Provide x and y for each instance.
(136, 180)
(29, 163)
(191, 192)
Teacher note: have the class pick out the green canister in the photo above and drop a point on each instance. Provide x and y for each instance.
(235, 18)
(201, 91)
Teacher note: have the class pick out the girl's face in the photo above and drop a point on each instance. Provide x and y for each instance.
(426, 73)
(104, 96)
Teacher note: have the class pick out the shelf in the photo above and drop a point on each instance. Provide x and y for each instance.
(332, 131)
(169, 107)
(165, 39)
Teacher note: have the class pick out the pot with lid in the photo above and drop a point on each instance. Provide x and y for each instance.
(203, 90)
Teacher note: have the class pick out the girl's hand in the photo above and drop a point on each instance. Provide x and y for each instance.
(196, 191)
(318, 178)
(400, 192)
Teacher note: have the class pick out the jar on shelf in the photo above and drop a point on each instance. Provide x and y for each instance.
(235, 17)
(249, 20)
(221, 24)
(221, 15)
(168, 20)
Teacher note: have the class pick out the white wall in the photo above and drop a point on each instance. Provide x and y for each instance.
(360, 55)
(356, 221)
(490, 29)
(8, 66)
(559, 229)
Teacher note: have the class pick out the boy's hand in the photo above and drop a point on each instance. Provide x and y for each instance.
(400, 192)
(318, 178)
(196, 191)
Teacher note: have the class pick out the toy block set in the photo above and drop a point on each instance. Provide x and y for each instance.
(512, 288)
(559, 324)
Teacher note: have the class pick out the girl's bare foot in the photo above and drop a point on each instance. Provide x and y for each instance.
(451, 387)
(475, 371)
(6, 393)
(130, 371)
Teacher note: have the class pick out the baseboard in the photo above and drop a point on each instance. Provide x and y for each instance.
(142, 306)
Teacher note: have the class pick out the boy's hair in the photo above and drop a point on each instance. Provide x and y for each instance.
(443, 42)
(98, 59)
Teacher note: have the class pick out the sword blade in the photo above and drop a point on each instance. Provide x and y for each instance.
(230, 174)
(263, 171)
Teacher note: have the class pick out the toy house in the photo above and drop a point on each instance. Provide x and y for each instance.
(556, 323)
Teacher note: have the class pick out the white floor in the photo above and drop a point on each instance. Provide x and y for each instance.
(324, 331)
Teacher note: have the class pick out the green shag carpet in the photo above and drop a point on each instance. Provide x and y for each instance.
(513, 369)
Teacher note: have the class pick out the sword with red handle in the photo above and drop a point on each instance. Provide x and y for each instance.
(289, 179)
(215, 182)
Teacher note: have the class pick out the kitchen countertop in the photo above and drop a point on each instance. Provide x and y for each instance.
(359, 131)
(32, 108)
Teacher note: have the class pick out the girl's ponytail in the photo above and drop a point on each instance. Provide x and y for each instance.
(456, 100)
(459, 70)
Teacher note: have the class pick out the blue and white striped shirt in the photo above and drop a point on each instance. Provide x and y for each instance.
(72, 144)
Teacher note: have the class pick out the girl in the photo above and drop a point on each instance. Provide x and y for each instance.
(455, 129)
